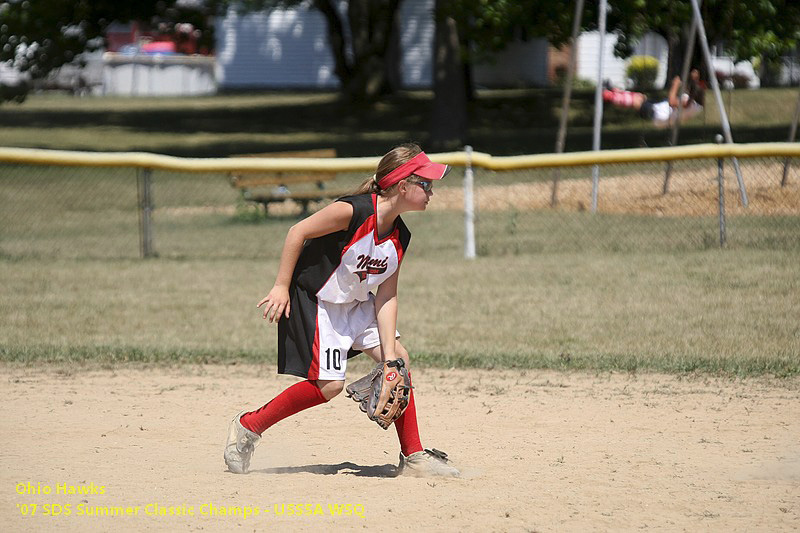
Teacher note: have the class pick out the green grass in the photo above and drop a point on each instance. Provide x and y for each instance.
(549, 289)
(500, 122)
(715, 311)
(525, 232)
(537, 300)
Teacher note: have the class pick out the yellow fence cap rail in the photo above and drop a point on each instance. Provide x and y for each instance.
(36, 156)
(634, 155)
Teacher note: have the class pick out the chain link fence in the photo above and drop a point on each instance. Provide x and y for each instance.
(627, 209)
(74, 212)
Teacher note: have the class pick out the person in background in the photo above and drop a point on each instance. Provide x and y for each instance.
(663, 113)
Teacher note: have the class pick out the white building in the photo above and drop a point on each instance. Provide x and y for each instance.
(613, 67)
(289, 49)
(283, 49)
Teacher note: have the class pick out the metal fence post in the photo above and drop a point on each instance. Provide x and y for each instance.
(726, 125)
(469, 208)
(598, 101)
(721, 183)
(792, 134)
(144, 182)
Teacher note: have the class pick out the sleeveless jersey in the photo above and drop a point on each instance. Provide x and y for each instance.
(346, 266)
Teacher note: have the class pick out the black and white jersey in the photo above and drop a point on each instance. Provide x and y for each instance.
(332, 303)
(347, 265)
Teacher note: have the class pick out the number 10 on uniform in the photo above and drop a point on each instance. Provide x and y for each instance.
(337, 358)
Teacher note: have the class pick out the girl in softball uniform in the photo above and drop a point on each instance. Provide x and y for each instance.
(335, 296)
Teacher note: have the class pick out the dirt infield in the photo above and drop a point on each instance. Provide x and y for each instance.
(540, 451)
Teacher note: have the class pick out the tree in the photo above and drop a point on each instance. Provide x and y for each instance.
(448, 125)
(39, 36)
(369, 68)
(761, 28)
(747, 29)
(480, 28)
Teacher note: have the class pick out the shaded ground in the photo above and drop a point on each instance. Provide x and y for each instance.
(503, 122)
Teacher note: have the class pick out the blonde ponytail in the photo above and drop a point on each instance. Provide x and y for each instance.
(369, 186)
(393, 159)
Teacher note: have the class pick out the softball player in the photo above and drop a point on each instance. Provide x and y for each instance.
(336, 296)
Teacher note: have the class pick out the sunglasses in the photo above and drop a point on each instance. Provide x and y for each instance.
(424, 185)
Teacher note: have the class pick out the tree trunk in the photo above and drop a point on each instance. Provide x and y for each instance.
(372, 24)
(449, 116)
(336, 39)
(466, 62)
(366, 69)
(394, 58)
(676, 47)
(677, 50)
(769, 71)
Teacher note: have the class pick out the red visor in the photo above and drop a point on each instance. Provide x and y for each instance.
(420, 166)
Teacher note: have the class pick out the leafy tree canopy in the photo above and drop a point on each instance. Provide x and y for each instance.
(745, 29)
(38, 36)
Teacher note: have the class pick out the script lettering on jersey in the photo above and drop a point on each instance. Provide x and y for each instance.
(368, 265)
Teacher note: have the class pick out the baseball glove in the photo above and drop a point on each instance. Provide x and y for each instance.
(383, 393)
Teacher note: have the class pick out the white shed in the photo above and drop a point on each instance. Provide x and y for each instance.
(651, 44)
(289, 49)
(282, 48)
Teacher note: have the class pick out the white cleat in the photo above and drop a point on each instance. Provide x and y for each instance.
(240, 446)
(427, 463)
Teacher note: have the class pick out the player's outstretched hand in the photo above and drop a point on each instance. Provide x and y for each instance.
(276, 303)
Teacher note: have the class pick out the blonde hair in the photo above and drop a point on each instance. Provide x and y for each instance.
(393, 159)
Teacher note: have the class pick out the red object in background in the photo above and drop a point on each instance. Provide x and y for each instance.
(183, 42)
(159, 47)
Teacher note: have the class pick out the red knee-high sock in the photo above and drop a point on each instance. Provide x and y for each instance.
(407, 429)
(296, 398)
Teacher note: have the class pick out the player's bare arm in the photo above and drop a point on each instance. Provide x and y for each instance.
(386, 311)
(674, 96)
(334, 217)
